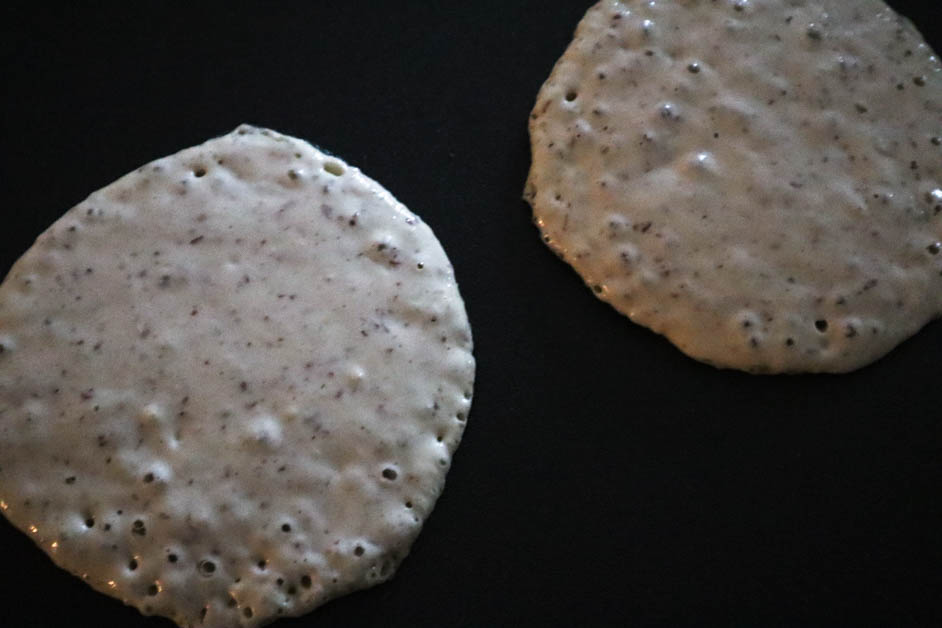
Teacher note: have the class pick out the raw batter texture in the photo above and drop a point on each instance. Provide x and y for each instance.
(757, 180)
(231, 383)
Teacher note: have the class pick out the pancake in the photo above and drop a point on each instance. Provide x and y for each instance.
(760, 181)
(231, 383)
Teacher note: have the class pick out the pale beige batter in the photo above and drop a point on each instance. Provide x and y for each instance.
(231, 383)
(758, 180)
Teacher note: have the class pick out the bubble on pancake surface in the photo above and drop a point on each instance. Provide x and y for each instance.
(208, 368)
(697, 160)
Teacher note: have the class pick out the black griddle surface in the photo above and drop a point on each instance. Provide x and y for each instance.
(604, 479)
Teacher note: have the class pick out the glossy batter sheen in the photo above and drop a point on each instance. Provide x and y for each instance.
(758, 180)
(231, 383)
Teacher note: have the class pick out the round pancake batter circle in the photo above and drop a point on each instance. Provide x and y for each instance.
(760, 181)
(231, 383)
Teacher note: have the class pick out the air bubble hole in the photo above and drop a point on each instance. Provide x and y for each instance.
(206, 567)
(332, 167)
